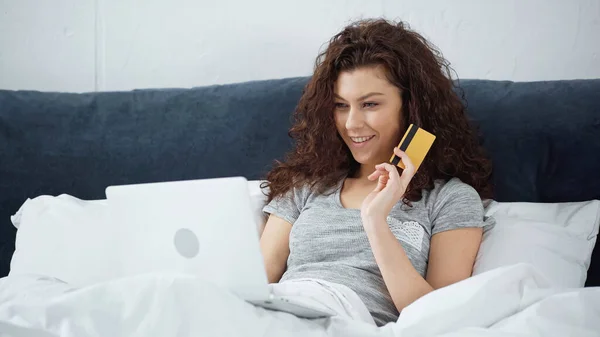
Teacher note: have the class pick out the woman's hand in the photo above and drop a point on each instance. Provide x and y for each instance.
(389, 191)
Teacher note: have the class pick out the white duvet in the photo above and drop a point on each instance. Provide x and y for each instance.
(509, 301)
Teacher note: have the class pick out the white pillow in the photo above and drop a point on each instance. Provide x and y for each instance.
(67, 238)
(63, 237)
(557, 239)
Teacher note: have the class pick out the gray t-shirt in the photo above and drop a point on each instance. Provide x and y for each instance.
(328, 242)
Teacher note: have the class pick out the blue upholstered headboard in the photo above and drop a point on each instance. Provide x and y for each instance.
(543, 138)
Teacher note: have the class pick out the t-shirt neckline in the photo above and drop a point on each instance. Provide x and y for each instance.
(338, 196)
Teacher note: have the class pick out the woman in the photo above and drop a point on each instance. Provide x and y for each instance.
(339, 212)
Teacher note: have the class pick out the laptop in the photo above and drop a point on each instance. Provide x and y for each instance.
(203, 228)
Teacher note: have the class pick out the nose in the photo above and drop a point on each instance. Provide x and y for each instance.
(355, 120)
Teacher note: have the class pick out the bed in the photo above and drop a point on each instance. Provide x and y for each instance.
(537, 273)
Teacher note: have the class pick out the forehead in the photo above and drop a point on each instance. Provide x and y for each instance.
(357, 82)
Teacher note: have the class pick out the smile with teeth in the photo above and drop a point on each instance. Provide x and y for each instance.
(361, 139)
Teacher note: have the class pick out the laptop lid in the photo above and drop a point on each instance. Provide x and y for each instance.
(203, 228)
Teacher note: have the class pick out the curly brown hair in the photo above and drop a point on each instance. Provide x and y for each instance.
(321, 158)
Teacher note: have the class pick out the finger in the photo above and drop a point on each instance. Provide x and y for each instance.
(391, 174)
(378, 174)
(374, 175)
(400, 153)
(382, 182)
(391, 170)
(409, 168)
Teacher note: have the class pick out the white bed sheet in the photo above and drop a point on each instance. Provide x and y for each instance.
(508, 301)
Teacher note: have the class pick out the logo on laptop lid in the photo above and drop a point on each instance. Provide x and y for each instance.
(186, 243)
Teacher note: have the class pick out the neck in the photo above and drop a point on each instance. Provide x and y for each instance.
(364, 172)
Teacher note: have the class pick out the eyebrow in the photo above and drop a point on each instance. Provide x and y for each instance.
(363, 97)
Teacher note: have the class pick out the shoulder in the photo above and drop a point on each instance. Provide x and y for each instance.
(454, 188)
(297, 194)
(447, 188)
(457, 205)
(454, 193)
(304, 193)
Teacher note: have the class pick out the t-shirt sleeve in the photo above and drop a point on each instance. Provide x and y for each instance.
(289, 205)
(458, 205)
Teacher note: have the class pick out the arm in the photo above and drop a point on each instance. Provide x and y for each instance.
(451, 259)
(452, 250)
(452, 255)
(274, 245)
(402, 280)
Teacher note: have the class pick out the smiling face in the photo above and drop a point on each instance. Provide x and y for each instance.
(368, 114)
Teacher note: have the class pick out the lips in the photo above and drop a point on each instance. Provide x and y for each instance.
(359, 140)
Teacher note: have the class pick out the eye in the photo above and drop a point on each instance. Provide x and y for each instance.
(339, 105)
(370, 104)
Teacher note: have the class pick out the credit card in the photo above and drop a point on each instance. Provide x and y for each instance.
(416, 143)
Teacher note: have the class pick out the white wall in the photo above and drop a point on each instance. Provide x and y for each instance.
(87, 45)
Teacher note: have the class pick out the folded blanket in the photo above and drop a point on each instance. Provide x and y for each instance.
(337, 297)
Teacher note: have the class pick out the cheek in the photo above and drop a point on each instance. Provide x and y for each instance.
(340, 122)
(388, 125)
